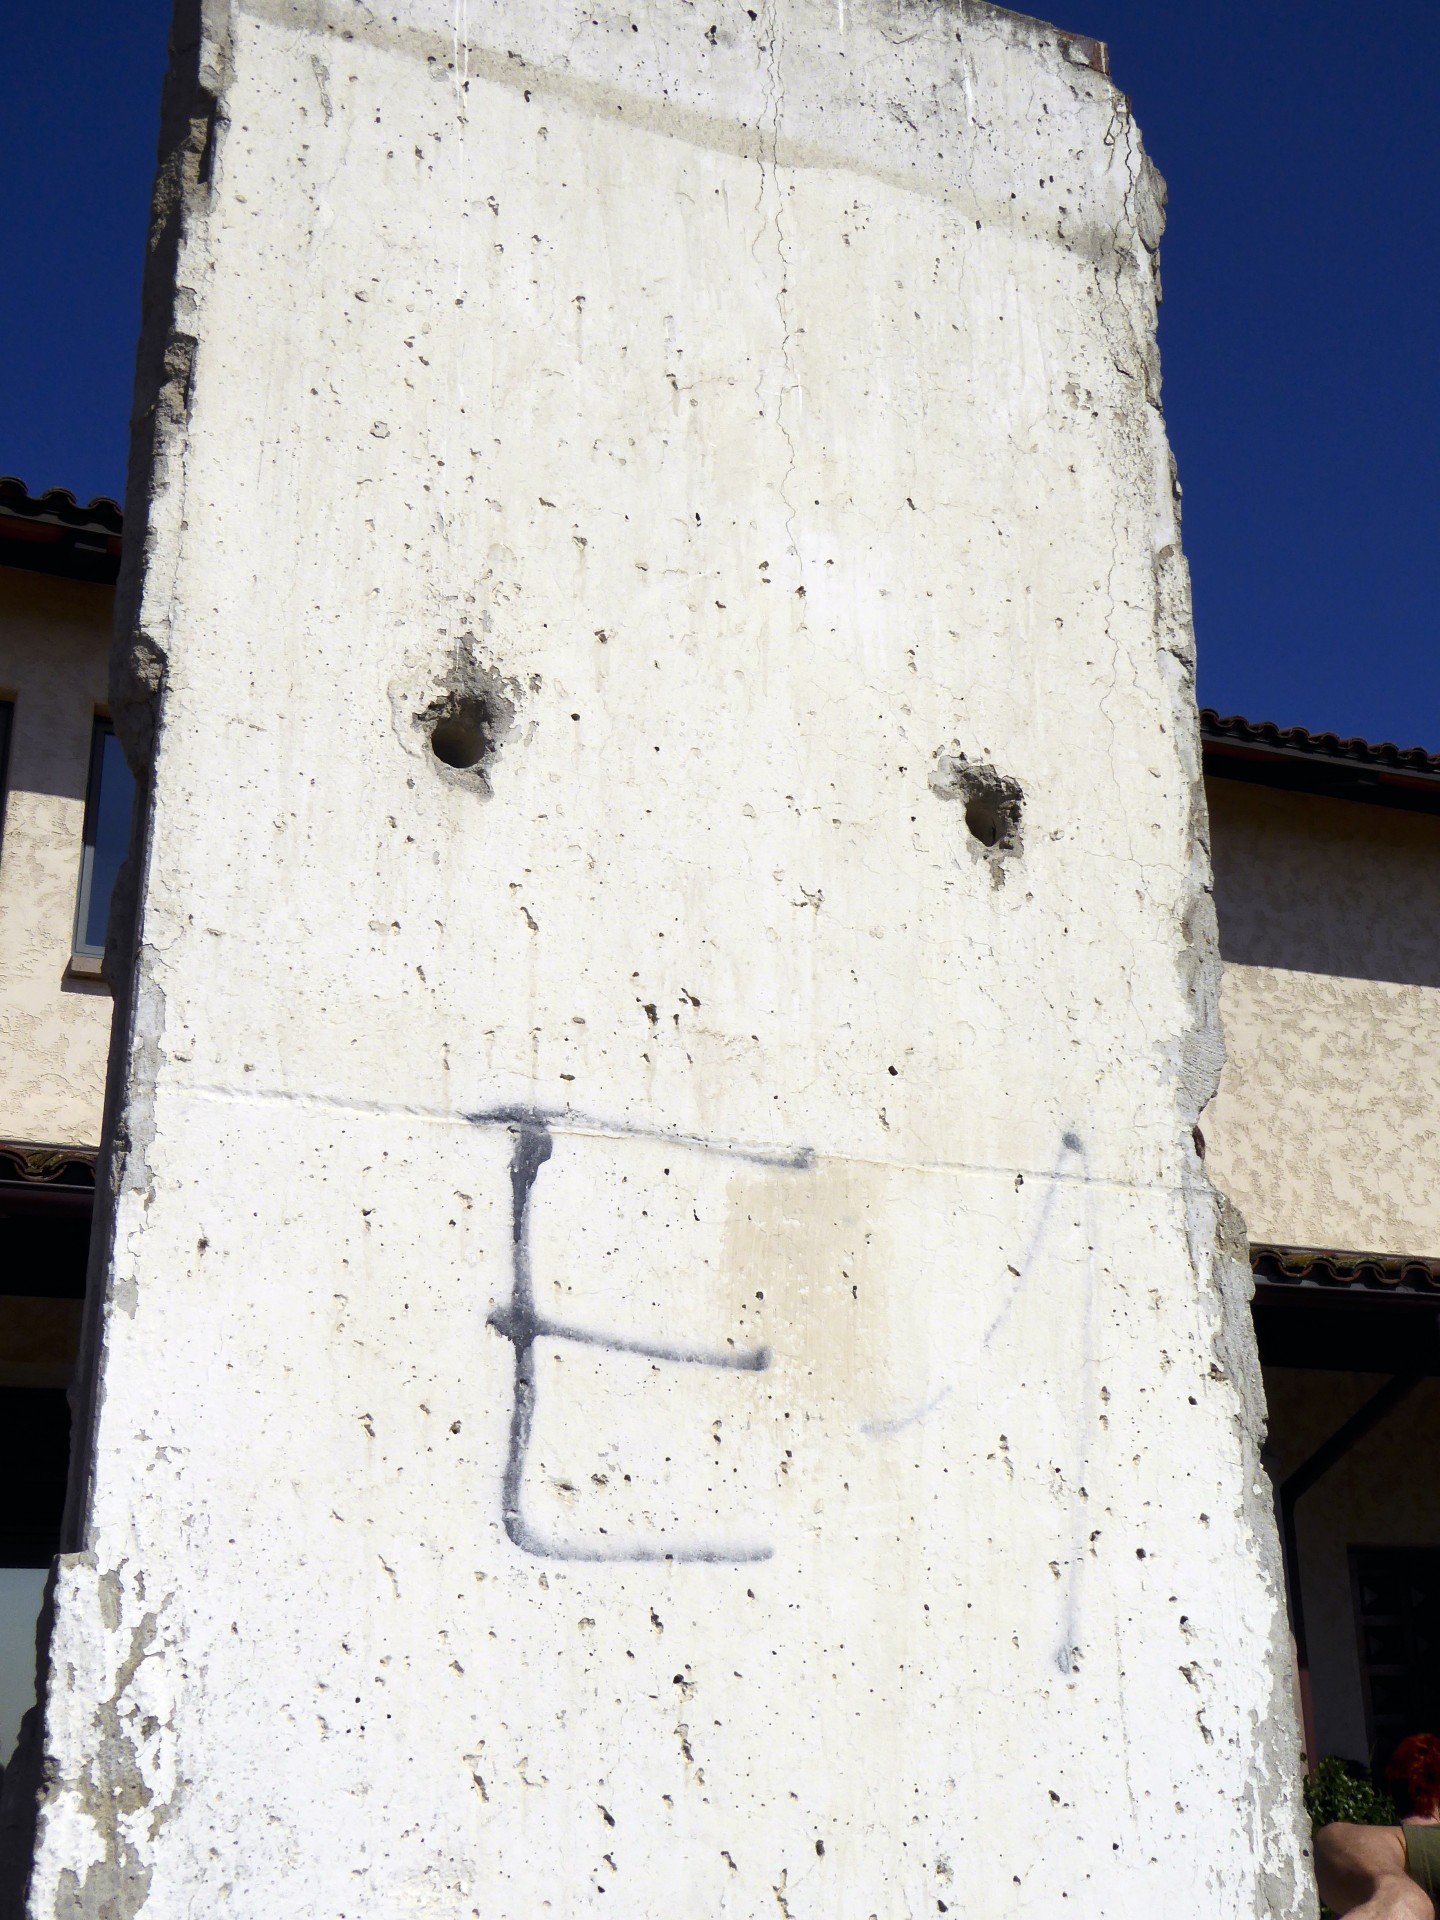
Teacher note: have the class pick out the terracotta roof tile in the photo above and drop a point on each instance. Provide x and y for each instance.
(1235, 729)
(1264, 754)
(1311, 1267)
(52, 533)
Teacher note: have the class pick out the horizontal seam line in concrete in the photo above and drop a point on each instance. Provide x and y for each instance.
(584, 1127)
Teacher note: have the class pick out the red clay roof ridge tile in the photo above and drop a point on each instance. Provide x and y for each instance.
(57, 504)
(1234, 730)
(1330, 1267)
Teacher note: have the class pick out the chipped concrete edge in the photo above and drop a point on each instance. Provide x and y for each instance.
(1278, 1826)
(1080, 48)
(98, 1778)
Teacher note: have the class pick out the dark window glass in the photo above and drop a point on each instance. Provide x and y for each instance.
(1397, 1604)
(44, 1240)
(107, 835)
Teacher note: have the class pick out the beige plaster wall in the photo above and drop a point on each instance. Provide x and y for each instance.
(54, 1031)
(1326, 1127)
(1373, 1498)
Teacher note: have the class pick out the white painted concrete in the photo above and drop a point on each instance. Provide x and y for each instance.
(758, 412)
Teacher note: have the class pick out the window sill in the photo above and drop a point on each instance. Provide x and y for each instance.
(85, 966)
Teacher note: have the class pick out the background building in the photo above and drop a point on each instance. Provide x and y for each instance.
(64, 820)
(1326, 1132)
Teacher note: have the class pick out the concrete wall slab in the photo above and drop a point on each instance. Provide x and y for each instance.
(666, 1344)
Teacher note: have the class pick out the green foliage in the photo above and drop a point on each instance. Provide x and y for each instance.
(1344, 1790)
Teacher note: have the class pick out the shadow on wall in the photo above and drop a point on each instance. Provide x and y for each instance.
(1315, 885)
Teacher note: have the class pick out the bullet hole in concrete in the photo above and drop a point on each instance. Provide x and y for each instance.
(993, 803)
(992, 809)
(461, 719)
(984, 820)
(464, 736)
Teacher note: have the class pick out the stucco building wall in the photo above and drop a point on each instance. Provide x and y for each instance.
(1326, 1128)
(1325, 1131)
(54, 1029)
(663, 1345)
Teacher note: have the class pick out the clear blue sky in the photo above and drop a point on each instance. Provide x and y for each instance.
(1301, 141)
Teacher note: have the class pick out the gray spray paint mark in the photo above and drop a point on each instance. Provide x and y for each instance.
(522, 1326)
(1067, 1654)
(1071, 1147)
(569, 1120)
(882, 1429)
(1067, 1171)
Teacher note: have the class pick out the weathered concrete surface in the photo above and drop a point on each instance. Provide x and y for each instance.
(666, 1346)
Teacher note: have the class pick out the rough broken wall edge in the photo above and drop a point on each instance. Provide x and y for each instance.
(158, 428)
(1091, 52)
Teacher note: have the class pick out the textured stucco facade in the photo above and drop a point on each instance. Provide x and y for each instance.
(1327, 1124)
(1325, 1132)
(54, 1028)
(662, 1343)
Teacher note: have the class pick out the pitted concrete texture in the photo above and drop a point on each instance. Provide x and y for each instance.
(666, 1349)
